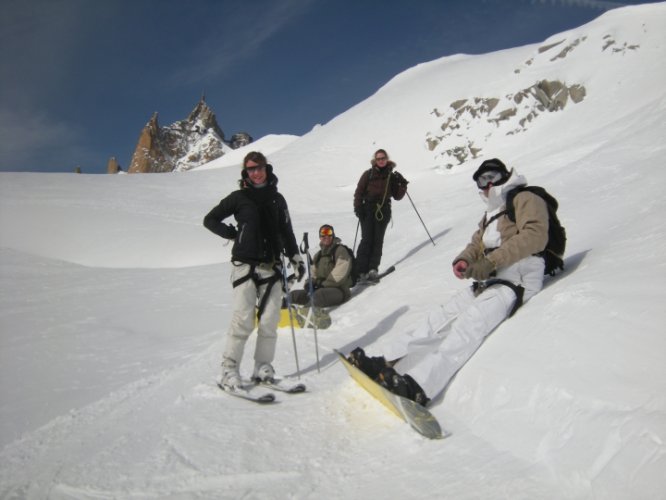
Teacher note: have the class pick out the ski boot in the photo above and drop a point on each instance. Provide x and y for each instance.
(231, 379)
(263, 372)
(402, 385)
(371, 366)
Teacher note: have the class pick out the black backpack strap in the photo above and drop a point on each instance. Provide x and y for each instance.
(551, 202)
(349, 251)
(481, 286)
(510, 210)
(334, 250)
(493, 218)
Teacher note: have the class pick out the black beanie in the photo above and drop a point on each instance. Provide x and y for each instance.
(493, 165)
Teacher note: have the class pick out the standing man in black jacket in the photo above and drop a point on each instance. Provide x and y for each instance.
(263, 231)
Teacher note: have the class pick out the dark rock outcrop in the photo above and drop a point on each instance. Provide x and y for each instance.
(112, 167)
(486, 116)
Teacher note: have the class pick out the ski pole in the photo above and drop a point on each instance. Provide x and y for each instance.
(285, 281)
(419, 216)
(305, 248)
(358, 224)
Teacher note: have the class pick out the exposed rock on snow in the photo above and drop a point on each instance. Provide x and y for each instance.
(516, 110)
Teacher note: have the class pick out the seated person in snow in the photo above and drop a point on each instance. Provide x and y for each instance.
(501, 260)
(331, 273)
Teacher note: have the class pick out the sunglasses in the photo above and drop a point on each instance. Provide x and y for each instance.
(254, 168)
(326, 231)
(380, 158)
(484, 180)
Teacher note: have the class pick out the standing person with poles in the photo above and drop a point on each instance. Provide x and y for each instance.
(372, 206)
(262, 233)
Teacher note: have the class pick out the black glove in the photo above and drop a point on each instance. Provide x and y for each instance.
(228, 231)
(298, 266)
(480, 270)
(358, 212)
(399, 179)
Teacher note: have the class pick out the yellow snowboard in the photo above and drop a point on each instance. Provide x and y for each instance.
(284, 319)
(421, 420)
(303, 318)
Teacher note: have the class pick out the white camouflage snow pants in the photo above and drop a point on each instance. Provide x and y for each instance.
(246, 296)
(450, 334)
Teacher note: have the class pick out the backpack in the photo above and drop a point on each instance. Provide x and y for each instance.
(557, 238)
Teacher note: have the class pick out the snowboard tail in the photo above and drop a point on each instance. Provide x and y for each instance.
(417, 416)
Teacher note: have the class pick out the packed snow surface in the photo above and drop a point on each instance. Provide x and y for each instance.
(114, 304)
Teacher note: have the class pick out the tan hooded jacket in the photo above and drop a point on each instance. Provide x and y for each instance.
(527, 236)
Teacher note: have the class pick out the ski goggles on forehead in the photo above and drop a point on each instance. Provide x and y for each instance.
(490, 177)
(325, 231)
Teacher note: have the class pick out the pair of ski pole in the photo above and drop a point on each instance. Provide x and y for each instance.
(305, 249)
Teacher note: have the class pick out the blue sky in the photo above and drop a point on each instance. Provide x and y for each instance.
(80, 78)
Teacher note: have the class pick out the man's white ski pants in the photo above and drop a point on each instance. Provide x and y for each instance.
(450, 334)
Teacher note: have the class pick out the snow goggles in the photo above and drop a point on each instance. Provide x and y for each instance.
(491, 177)
(326, 231)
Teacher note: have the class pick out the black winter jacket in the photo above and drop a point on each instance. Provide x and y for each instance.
(263, 229)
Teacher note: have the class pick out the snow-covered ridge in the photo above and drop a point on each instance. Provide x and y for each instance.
(268, 145)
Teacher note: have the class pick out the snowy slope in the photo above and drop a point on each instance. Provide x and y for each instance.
(114, 303)
(268, 145)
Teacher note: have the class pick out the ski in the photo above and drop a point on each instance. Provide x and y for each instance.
(243, 394)
(417, 416)
(279, 385)
(377, 279)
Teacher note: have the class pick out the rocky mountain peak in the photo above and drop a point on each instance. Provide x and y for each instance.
(183, 145)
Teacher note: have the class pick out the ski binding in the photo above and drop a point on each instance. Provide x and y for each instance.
(243, 394)
(278, 385)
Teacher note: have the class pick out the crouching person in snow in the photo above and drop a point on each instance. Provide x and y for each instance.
(501, 260)
(331, 273)
(263, 232)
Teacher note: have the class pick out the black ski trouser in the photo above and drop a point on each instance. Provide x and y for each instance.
(369, 254)
(323, 297)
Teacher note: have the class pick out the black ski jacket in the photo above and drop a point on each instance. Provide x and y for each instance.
(263, 229)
